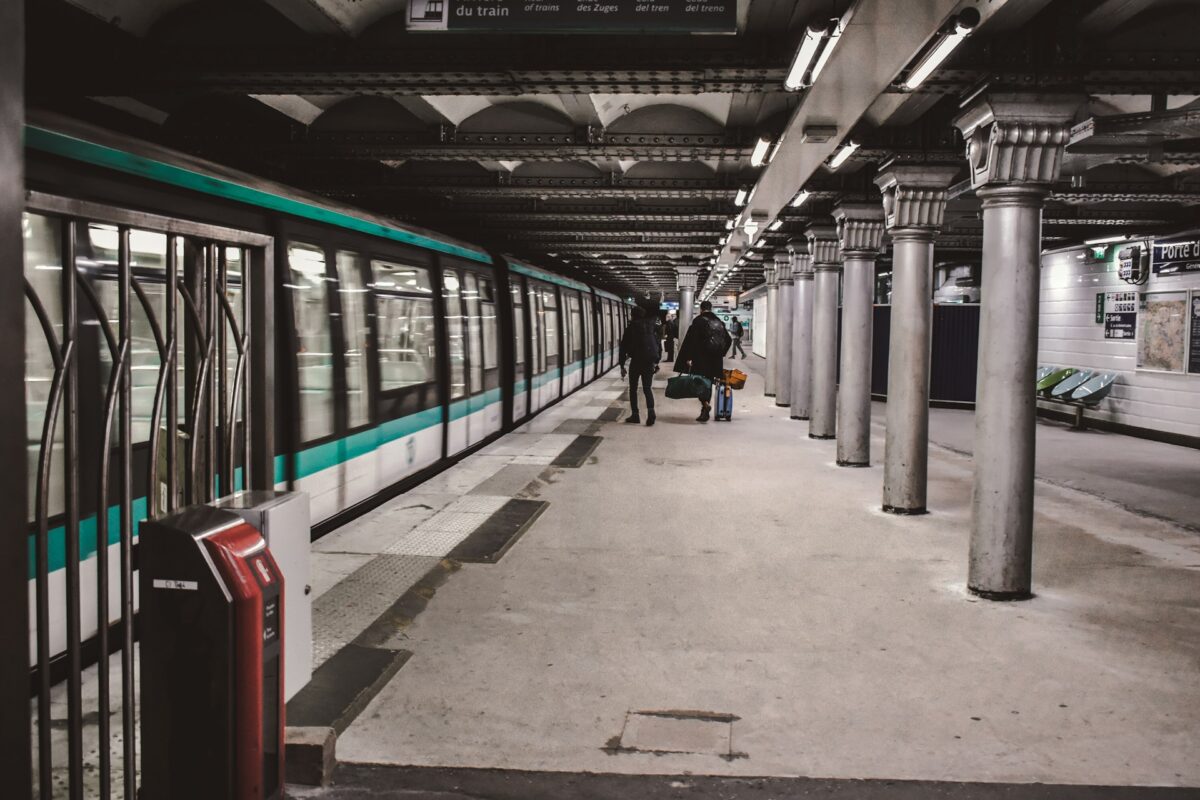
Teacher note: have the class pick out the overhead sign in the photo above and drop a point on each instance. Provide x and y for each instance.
(1177, 254)
(574, 16)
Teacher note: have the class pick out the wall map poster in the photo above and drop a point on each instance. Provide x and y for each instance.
(1176, 254)
(1161, 331)
(1120, 315)
(1194, 345)
(574, 16)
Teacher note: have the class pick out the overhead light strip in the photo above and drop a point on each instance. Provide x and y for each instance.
(840, 157)
(948, 39)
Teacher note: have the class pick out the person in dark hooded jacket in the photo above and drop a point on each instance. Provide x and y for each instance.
(640, 345)
(703, 351)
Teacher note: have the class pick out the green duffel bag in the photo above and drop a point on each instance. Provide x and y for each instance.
(689, 387)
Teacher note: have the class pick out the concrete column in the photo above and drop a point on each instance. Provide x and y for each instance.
(783, 330)
(802, 306)
(914, 203)
(685, 281)
(823, 245)
(860, 226)
(772, 327)
(1015, 145)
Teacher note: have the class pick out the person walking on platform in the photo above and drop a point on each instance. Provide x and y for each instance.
(639, 345)
(703, 352)
(671, 331)
(736, 330)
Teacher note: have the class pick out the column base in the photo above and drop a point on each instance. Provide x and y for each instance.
(841, 463)
(904, 511)
(803, 419)
(1002, 597)
(782, 405)
(768, 394)
(822, 436)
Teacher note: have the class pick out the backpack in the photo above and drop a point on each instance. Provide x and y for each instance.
(716, 339)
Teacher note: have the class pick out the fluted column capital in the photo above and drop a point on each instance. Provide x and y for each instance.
(769, 273)
(860, 227)
(1017, 137)
(914, 195)
(823, 247)
(783, 267)
(801, 260)
(685, 277)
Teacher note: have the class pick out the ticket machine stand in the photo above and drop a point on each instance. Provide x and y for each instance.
(210, 625)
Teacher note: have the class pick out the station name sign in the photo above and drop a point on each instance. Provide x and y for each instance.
(1177, 254)
(574, 16)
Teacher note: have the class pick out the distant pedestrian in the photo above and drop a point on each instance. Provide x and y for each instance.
(671, 332)
(639, 345)
(703, 351)
(736, 330)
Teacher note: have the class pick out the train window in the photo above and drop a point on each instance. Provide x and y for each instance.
(452, 294)
(43, 271)
(589, 323)
(474, 347)
(538, 323)
(352, 292)
(147, 260)
(576, 332)
(405, 320)
(550, 326)
(308, 283)
(518, 302)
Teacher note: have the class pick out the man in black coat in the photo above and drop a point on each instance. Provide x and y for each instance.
(640, 345)
(703, 352)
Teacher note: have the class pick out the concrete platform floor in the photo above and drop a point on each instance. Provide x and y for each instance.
(723, 600)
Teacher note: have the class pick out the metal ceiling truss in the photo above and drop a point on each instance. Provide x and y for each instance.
(443, 143)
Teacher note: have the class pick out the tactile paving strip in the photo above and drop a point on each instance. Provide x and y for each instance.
(354, 603)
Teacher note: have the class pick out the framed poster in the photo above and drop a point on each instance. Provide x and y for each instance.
(1120, 315)
(1162, 331)
(1194, 335)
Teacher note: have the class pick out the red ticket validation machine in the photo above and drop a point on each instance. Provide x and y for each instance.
(211, 629)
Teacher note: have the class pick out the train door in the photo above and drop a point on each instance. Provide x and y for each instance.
(614, 335)
(483, 362)
(574, 355)
(358, 470)
(589, 333)
(408, 395)
(552, 332)
(456, 352)
(520, 362)
(537, 344)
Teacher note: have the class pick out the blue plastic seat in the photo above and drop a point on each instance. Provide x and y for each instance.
(1062, 390)
(1095, 388)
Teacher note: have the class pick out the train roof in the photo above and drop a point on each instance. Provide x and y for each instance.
(62, 136)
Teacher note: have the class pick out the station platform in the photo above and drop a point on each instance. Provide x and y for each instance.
(595, 609)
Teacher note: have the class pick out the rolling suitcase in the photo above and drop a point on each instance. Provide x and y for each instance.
(724, 402)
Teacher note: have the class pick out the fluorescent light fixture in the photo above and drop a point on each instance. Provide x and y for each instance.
(728, 224)
(742, 196)
(776, 225)
(759, 155)
(840, 158)
(834, 35)
(1107, 240)
(806, 53)
(951, 37)
(799, 199)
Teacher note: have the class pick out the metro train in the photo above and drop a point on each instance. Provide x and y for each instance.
(397, 350)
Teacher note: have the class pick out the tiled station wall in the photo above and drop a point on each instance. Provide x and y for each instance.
(1069, 336)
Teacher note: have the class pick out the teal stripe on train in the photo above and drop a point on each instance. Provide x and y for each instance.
(57, 538)
(61, 144)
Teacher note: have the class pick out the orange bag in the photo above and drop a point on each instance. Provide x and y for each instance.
(735, 378)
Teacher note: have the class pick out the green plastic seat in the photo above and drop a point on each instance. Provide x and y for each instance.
(1062, 390)
(1095, 388)
(1043, 371)
(1054, 378)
